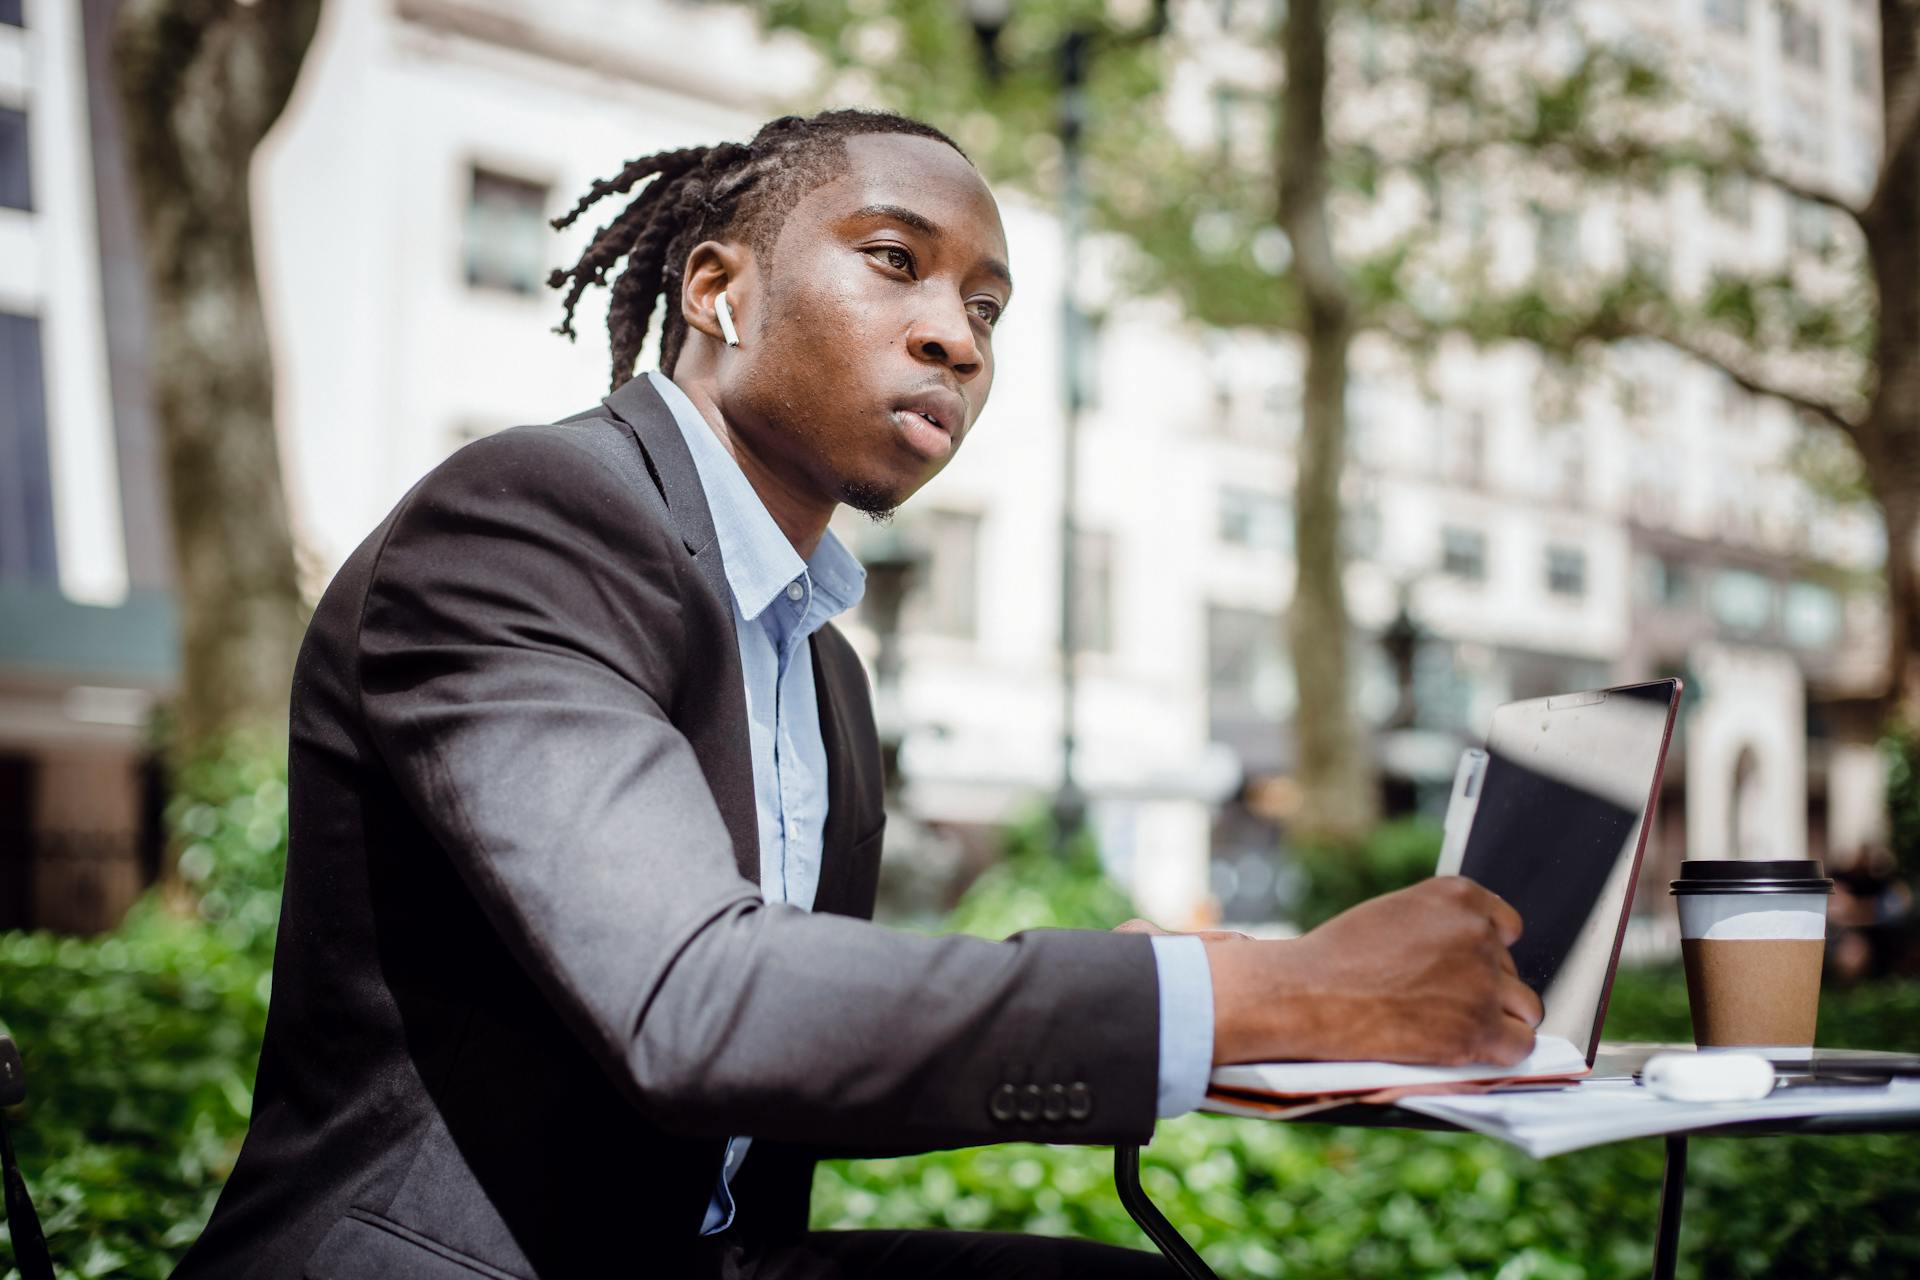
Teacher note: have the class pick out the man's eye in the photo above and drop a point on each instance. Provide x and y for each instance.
(988, 311)
(894, 256)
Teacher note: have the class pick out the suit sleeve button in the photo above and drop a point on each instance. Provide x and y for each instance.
(1054, 1109)
(1030, 1103)
(1079, 1101)
(1003, 1103)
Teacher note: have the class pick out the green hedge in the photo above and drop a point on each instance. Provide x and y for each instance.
(140, 1050)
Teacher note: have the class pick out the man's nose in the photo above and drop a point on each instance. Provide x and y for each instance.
(945, 336)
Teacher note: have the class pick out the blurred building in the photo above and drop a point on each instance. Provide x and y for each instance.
(402, 206)
(86, 627)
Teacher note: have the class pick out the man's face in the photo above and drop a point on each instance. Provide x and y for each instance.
(874, 314)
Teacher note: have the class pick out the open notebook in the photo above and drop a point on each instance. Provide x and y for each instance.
(1553, 1058)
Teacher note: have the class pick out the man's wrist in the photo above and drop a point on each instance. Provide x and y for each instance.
(1251, 1009)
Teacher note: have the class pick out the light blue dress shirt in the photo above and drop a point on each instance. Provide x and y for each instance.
(779, 601)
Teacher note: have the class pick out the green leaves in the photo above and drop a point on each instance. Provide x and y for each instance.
(140, 1046)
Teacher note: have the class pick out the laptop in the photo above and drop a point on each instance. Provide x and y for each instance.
(1553, 818)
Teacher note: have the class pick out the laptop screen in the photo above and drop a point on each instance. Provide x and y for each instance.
(1558, 833)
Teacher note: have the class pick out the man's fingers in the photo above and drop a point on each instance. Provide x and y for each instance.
(1506, 921)
(1518, 1000)
(1512, 1041)
(1483, 901)
(1137, 925)
(1504, 957)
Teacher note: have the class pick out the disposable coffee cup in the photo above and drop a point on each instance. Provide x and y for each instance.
(1753, 936)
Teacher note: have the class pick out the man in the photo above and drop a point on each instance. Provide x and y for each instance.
(573, 974)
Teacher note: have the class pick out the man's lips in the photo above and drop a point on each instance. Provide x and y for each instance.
(923, 434)
(943, 408)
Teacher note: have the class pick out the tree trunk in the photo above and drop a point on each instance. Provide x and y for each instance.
(1889, 435)
(201, 82)
(1339, 800)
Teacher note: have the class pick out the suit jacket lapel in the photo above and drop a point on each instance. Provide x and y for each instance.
(671, 466)
(837, 837)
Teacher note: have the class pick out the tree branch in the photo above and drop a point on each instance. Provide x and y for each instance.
(1811, 193)
(1753, 384)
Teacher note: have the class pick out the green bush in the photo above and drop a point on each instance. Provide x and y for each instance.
(140, 1045)
(1035, 886)
(1900, 750)
(1338, 876)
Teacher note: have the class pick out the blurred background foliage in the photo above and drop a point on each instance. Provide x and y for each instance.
(141, 1046)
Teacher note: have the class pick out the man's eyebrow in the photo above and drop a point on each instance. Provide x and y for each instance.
(926, 227)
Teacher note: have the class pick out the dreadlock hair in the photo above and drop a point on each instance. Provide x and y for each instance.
(728, 190)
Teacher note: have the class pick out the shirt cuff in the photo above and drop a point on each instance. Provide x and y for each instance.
(1186, 1022)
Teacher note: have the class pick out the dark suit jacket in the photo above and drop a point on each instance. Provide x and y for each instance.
(526, 984)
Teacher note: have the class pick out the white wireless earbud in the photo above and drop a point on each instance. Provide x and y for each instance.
(725, 314)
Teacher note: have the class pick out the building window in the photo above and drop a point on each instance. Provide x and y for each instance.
(10, 13)
(1811, 615)
(1743, 600)
(1557, 240)
(1802, 128)
(1800, 37)
(1727, 15)
(26, 480)
(16, 185)
(506, 233)
(1280, 403)
(1249, 518)
(1566, 571)
(1665, 583)
(1248, 676)
(1463, 554)
(1864, 70)
(1648, 260)
(1241, 125)
(1730, 195)
(1093, 592)
(1809, 227)
(947, 601)
(1360, 529)
(1464, 446)
(1443, 688)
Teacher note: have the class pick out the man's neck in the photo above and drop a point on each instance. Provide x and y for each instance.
(799, 514)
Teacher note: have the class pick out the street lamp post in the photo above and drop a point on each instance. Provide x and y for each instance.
(989, 18)
(1069, 803)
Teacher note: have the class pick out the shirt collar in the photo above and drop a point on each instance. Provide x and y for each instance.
(759, 560)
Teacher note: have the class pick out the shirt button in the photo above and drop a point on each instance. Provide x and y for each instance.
(795, 591)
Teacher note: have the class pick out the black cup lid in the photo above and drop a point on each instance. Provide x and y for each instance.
(1732, 875)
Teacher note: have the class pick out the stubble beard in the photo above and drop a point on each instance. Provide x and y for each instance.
(870, 500)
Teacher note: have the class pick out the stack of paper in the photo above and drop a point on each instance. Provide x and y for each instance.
(1282, 1090)
(1598, 1111)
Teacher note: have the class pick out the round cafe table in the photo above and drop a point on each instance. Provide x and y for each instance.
(1666, 1249)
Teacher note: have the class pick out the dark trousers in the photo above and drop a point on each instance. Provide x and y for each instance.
(940, 1255)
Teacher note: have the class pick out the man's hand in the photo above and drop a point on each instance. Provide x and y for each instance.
(1422, 975)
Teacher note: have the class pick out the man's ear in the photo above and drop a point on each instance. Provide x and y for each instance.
(713, 268)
